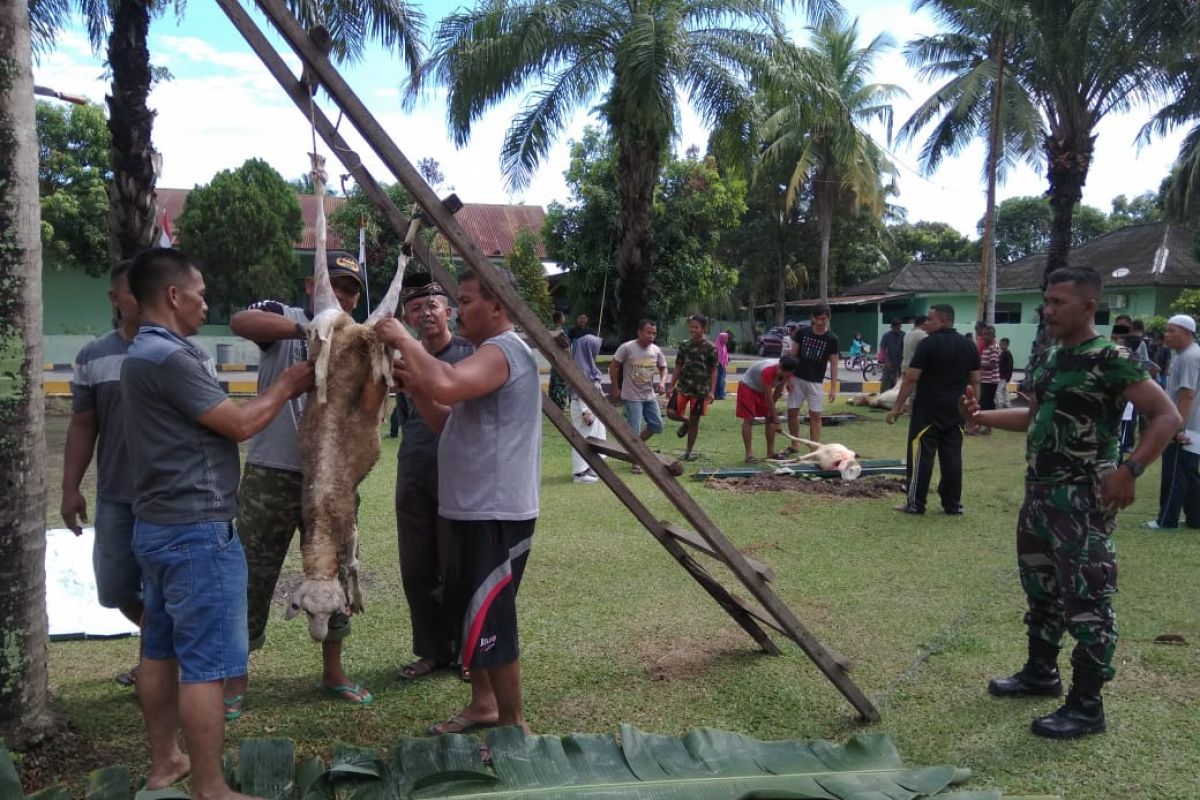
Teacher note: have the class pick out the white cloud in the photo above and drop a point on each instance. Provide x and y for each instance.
(224, 107)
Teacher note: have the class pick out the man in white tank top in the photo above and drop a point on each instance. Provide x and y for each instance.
(488, 410)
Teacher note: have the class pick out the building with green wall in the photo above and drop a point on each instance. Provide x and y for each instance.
(1144, 268)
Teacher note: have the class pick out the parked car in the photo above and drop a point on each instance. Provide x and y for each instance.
(771, 342)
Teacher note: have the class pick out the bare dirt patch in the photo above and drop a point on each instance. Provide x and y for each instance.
(685, 657)
(63, 758)
(873, 486)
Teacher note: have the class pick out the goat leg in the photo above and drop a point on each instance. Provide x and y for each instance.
(353, 586)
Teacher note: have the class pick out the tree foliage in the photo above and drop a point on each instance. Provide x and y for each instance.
(526, 266)
(1145, 207)
(929, 242)
(382, 242)
(73, 178)
(243, 227)
(1024, 226)
(694, 207)
(635, 59)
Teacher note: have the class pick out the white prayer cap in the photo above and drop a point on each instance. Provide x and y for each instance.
(1183, 321)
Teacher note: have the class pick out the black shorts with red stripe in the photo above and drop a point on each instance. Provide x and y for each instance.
(487, 560)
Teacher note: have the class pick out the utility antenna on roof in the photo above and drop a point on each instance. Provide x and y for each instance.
(1161, 254)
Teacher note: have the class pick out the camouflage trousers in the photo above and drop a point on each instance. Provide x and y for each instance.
(1068, 565)
(268, 518)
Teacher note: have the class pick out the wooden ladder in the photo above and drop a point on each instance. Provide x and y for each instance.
(702, 535)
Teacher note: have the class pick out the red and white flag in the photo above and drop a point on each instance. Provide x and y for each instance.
(166, 238)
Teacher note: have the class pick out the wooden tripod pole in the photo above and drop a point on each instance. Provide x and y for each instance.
(318, 66)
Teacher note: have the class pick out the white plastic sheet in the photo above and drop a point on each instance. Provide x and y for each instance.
(71, 602)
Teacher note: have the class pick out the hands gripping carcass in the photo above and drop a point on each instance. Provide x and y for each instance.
(339, 437)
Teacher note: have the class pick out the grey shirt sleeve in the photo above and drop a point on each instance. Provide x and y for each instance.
(188, 386)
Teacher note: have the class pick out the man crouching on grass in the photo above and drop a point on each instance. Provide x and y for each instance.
(488, 409)
(1073, 491)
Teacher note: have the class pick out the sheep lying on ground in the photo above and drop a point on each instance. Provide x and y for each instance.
(829, 457)
(885, 400)
(339, 439)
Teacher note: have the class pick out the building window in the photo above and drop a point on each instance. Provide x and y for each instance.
(1008, 313)
(1103, 314)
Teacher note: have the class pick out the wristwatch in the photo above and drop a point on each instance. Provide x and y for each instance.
(1137, 468)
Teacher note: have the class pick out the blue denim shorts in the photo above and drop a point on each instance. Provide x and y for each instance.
(194, 578)
(638, 410)
(118, 576)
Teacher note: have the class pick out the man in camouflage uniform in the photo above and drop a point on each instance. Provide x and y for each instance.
(269, 508)
(1073, 490)
(694, 382)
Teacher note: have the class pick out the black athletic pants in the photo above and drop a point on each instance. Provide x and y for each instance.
(931, 435)
(424, 550)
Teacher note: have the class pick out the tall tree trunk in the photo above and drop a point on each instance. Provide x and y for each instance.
(780, 284)
(986, 309)
(1068, 158)
(24, 701)
(825, 227)
(132, 213)
(638, 157)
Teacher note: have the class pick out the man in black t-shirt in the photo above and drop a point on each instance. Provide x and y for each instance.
(814, 347)
(944, 364)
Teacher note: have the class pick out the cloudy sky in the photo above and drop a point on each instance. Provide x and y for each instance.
(222, 107)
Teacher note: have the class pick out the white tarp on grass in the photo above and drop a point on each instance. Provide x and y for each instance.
(71, 602)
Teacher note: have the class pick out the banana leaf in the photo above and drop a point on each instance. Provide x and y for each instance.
(110, 783)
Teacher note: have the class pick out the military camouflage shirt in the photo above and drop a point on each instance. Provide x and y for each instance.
(1073, 436)
(694, 365)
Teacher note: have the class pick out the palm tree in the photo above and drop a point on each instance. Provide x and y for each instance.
(636, 55)
(24, 709)
(124, 25)
(820, 102)
(1081, 60)
(979, 98)
(1182, 190)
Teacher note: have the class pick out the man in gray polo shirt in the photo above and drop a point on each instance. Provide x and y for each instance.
(488, 408)
(269, 508)
(184, 460)
(421, 534)
(97, 426)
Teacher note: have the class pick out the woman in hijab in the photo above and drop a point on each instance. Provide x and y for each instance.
(722, 364)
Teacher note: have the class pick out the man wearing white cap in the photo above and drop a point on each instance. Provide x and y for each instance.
(1179, 493)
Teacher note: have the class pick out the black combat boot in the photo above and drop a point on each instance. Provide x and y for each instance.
(1039, 677)
(1081, 715)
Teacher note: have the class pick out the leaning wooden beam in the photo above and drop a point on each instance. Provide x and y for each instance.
(360, 117)
(694, 541)
(399, 223)
(614, 450)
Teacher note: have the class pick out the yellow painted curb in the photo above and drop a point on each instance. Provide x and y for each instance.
(240, 387)
(57, 388)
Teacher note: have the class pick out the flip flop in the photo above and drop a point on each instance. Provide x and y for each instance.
(751, 460)
(127, 678)
(355, 695)
(421, 668)
(457, 724)
(234, 707)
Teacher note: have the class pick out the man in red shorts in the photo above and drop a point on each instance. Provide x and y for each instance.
(693, 382)
(759, 388)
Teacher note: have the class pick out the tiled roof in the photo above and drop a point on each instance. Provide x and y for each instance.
(493, 226)
(918, 276)
(1125, 257)
(172, 200)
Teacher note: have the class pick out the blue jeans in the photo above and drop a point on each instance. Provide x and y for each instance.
(1179, 493)
(638, 410)
(195, 591)
(722, 372)
(118, 575)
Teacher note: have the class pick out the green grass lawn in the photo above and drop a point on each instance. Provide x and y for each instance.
(614, 631)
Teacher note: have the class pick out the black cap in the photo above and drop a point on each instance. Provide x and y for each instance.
(419, 284)
(342, 263)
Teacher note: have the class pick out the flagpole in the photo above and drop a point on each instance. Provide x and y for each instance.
(362, 257)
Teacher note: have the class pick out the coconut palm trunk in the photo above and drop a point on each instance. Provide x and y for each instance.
(1068, 158)
(133, 217)
(24, 709)
(823, 203)
(638, 160)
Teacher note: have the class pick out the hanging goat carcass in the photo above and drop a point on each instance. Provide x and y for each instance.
(339, 437)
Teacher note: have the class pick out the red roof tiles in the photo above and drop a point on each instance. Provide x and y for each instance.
(172, 200)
